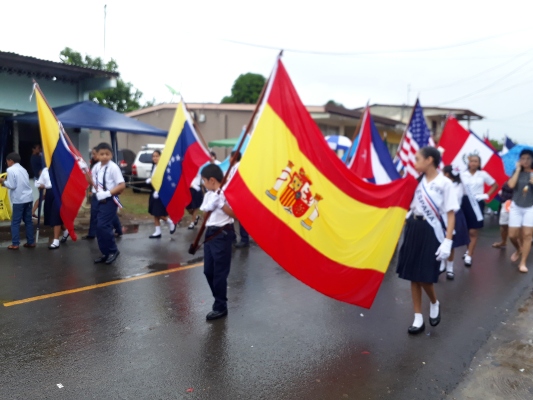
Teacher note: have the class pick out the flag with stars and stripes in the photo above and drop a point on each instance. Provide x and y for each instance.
(183, 155)
(416, 136)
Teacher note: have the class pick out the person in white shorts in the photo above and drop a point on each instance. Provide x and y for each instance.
(506, 194)
(521, 212)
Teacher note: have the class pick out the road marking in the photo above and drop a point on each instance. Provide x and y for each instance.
(100, 285)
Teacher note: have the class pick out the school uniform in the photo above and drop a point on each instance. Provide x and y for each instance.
(197, 196)
(521, 211)
(219, 236)
(106, 177)
(245, 237)
(474, 185)
(425, 230)
(94, 211)
(155, 205)
(52, 216)
(21, 198)
(461, 236)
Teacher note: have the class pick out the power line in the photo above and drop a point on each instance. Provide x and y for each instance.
(357, 53)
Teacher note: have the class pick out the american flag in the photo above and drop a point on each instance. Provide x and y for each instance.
(416, 136)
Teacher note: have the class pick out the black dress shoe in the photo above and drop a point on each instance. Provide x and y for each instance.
(174, 230)
(435, 321)
(216, 315)
(450, 276)
(413, 330)
(64, 238)
(88, 237)
(100, 259)
(154, 236)
(112, 257)
(242, 245)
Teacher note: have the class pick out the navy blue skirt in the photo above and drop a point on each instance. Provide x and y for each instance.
(197, 199)
(51, 213)
(461, 236)
(156, 207)
(470, 215)
(417, 261)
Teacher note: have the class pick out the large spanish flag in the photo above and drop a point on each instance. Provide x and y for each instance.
(180, 161)
(68, 180)
(317, 219)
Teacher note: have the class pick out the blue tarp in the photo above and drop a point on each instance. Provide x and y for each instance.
(512, 156)
(88, 114)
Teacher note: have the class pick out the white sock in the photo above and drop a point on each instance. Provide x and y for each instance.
(157, 231)
(171, 224)
(434, 310)
(65, 232)
(449, 266)
(442, 265)
(419, 320)
(56, 242)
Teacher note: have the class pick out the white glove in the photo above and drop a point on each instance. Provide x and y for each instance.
(103, 195)
(156, 195)
(444, 250)
(83, 165)
(148, 181)
(483, 196)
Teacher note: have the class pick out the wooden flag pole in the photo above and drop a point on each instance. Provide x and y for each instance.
(196, 244)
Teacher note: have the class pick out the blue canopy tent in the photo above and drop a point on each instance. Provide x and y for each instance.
(89, 115)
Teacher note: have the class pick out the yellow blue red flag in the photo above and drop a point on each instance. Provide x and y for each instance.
(316, 218)
(180, 161)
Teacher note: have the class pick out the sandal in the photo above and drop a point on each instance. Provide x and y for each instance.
(53, 246)
(498, 245)
(30, 246)
(12, 247)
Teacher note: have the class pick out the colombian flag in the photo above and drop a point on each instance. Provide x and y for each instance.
(68, 180)
(316, 218)
(180, 161)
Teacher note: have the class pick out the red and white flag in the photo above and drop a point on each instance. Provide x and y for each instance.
(458, 143)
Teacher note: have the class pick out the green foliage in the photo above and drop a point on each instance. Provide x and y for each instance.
(246, 89)
(124, 98)
(497, 144)
(334, 103)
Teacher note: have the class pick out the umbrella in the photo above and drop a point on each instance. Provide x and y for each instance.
(339, 144)
(512, 156)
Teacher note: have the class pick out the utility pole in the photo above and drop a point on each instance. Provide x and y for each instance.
(105, 20)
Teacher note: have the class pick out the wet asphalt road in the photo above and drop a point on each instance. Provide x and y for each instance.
(148, 338)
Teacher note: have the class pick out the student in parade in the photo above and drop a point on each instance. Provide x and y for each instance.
(521, 212)
(51, 213)
(245, 237)
(21, 197)
(460, 237)
(506, 194)
(108, 182)
(197, 197)
(156, 208)
(37, 165)
(117, 226)
(473, 203)
(428, 235)
(219, 236)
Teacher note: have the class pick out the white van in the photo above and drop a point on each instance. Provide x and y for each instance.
(142, 166)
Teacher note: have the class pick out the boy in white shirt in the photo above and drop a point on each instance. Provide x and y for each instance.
(21, 197)
(108, 182)
(219, 236)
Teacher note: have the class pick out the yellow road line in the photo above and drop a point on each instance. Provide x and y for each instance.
(100, 285)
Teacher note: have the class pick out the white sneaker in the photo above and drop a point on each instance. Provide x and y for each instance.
(468, 260)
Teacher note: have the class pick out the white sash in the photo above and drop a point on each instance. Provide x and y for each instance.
(431, 211)
(473, 202)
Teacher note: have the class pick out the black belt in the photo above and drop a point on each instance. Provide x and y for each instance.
(419, 217)
(211, 229)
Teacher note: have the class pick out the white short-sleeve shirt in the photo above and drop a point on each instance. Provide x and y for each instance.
(112, 173)
(44, 179)
(459, 191)
(477, 181)
(441, 192)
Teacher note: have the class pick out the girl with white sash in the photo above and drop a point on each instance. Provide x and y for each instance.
(460, 236)
(428, 235)
(473, 204)
(521, 212)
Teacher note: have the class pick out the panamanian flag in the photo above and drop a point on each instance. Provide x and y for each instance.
(372, 160)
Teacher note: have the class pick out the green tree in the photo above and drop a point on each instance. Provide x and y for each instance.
(246, 89)
(497, 144)
(333, 103)
(124, 98)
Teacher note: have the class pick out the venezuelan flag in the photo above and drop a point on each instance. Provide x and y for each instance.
(68, 180)
(316, 218)
(180, 161)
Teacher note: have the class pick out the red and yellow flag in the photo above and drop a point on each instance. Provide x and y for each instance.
(318, 220)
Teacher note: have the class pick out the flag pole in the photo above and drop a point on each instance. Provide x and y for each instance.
(196, 244)
(39, 215)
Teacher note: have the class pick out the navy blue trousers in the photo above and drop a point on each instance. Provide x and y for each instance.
(245, 238)
(217, 261)
(106, 213)
(92, 224)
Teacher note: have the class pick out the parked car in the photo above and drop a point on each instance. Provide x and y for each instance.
(125, 161)
(142, 166)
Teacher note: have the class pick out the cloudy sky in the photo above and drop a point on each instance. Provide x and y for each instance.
(470, 54)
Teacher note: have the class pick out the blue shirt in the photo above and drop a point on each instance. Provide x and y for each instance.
(18, 182)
